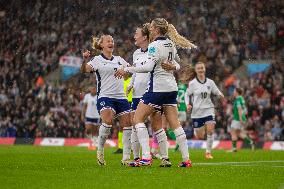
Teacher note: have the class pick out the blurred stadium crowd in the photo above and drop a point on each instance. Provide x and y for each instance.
(34, 34)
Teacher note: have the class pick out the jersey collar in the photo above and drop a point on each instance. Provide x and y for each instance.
(200, 81)
(144, 51)
(160, 38)
(106, 57)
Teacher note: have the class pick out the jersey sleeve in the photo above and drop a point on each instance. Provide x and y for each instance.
(141, 69)
(186, 97)
(153, 53)
(238, 103)
(188, 93)
(94, 64)
(85, 100)
(176, 56)
(215, 89)
(189, 89)
(132, 80)
(123, 62)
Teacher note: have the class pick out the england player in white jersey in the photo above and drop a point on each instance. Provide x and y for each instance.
(112, 101)
(162, 89)
(91, 116)
(139, 84)
(203, 111)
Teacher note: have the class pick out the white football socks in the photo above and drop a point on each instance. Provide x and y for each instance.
(182, 142)
(126, 141)
(104, 132)
(163, 143)
(135, 144)
(209, 143)
(143, 138)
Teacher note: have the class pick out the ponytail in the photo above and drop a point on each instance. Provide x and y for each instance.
(96, 44)
(168, 29)
(178, 39)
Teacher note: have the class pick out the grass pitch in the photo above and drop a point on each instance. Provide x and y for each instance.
(75, 167)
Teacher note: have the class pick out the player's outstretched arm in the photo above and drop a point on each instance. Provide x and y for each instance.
(85, 68)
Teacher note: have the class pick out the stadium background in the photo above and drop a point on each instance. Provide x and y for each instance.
(241, 42)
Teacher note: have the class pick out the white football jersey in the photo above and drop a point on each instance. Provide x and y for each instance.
(161, 80)
(108, 85)
(91, 102)
(141, 80)
(200, 93)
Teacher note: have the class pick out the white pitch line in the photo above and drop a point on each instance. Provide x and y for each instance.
(248, 163)
(256, 165)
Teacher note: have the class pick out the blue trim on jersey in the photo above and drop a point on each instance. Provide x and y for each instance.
(200, 122)
(112, 57)
(160, 38)
(151, 79)
(200, 81)
(99, 82)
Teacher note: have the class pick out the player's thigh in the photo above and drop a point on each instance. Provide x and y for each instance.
(107, 116)
(210, 127)
(171, 114)
(96, 128)
(234, 134)
(199, 132)
(142, 112)
(132, 117)
(165, 123)
(156, 121)
(125, 120)
(88, 128)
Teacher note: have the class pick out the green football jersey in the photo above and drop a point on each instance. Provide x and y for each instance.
(239, 102)
(181, 97)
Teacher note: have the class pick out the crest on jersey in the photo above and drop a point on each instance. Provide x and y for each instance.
(208, 87)
(152, 50)
(119, 63)
(195, 124)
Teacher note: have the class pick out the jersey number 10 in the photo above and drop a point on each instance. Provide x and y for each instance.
(204, 95)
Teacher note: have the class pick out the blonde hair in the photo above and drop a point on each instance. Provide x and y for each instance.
(169, 30)
(96, 44)
(145, 30)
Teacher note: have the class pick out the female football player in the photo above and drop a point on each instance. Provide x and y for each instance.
(162, 88)
(139, 84)
(203, 111)
(112, 101)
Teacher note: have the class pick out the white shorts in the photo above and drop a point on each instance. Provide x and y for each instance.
(182, 116)
(236, 125)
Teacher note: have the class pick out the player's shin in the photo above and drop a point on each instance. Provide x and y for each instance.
(126, 140)
(209, 142)
(182, 142)
(143, 138)
(135, 144)
(163, 143)
(104, 132)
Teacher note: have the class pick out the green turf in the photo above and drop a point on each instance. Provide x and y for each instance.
(74, 167)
